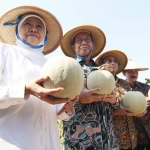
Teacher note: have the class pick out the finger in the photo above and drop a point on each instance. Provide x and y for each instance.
(128, 109)
(52, 91)
(97, 98)
(130, 114)
(76, 99)
(113, 92)
(109, 96)
(94, 91)
(85, 83)
(41, 79)
(61, 111)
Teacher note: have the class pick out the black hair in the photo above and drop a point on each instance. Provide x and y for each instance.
(72, 41)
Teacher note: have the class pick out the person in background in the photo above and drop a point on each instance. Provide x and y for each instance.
(141, 123)
(115, 61)
(91, 127)
(28, 116)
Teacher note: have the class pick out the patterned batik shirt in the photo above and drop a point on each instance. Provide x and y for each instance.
(123, 125)
(91, 128)
(142, 124)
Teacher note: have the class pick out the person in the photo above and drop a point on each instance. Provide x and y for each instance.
(141, 123)
(28, 114)
(91, 127)
(115, 61)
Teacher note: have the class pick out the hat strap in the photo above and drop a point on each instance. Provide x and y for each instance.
(13, 23)
(23, 41)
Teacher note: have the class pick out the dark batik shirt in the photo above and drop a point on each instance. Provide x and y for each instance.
(142, 123)
(124, 126)
(91, 128)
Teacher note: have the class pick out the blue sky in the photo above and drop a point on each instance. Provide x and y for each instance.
(126, 23)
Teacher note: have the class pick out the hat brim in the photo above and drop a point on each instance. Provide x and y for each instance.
(132, 65)
(121, 57)
(99, 40)
(7, 33)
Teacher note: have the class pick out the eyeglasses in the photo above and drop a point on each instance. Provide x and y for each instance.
(80, 40)
(112, 60)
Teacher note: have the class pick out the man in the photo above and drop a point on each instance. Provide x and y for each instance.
(141, 123)
(115, 61)
(91, 128)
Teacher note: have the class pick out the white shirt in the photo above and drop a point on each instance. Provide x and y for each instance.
(25, 124)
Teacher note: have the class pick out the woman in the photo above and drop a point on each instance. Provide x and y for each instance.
(123, 123)
(28, 121)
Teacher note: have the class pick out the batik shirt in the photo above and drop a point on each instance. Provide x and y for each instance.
(142, 123)
(123, 125)
(91, 128)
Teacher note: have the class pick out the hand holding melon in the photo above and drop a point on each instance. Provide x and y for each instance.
(135, 100)
(64, 72)
(103, 79)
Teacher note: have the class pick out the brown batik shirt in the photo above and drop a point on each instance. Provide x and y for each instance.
(123, 125)
(142, 124)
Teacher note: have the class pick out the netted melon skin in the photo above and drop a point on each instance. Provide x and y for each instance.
(103, 79)
(135, 100)
(64, 72)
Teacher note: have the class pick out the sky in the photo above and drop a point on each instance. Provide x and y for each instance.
(125, 23)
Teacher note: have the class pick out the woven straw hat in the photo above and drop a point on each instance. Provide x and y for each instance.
(97, 34)
(7, 33)
(121, 57)
(134, 65)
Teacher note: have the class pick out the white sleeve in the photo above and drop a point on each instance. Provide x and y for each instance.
(9, 94)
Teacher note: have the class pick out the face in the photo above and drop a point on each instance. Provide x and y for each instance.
(82, 44)
(32, 31)
(111, 64)
(131, 75)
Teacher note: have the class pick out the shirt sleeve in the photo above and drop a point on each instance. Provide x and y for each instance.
(9, 94)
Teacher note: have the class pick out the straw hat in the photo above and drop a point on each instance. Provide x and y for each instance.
(7, 33)
(97, 35)
(134, 65)
(121, 57)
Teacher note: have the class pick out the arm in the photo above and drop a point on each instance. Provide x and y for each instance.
(66, 111)
(9, 94)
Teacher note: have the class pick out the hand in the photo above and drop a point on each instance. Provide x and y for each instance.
(148, 101)
(111, 98)
(124, 111)
(68, 105)
(89, 96)
(101, 68)
(35, 88)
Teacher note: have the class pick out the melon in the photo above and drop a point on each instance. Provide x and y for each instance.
(66, 72)
(103, 79)
(135, 100)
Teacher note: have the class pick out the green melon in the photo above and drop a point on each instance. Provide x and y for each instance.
(64, 72)
(103, 79)
(135, 100)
